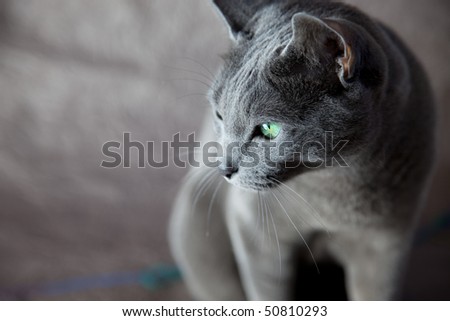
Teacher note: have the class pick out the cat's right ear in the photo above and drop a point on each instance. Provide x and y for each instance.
(237, 13)
(316, 41)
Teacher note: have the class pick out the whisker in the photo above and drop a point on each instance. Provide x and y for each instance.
(263, 214)
(297, 230)
(200, 64)
(258, 217)
(267, 223)
(317, 216)
(193, 79)
(303, 221)
(277, 240)
(191, 71)
(203, 186)
(211, 202)
(191, 174)
(206, 181)
(191, 95)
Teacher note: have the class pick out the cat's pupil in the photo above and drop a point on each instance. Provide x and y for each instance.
(218, 115)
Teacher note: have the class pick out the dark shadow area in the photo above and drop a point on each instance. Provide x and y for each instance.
(328, 285)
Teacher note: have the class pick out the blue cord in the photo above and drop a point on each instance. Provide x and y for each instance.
(428, 231)
(152, 279)
(156, 277)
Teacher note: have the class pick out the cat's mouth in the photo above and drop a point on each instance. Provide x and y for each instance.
(261, 185)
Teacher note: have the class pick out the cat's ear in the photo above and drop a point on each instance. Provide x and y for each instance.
(237, 13)
(321, 40)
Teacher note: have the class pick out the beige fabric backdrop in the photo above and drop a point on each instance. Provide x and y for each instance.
(75, 74)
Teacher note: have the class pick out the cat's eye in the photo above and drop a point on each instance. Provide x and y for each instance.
(270, 130)
(218, 115)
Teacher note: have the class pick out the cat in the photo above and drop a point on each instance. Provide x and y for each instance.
(299, 71)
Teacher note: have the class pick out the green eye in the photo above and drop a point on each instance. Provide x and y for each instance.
(270, 130)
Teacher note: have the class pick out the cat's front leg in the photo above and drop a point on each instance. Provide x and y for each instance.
(373, 260)
(264, 249)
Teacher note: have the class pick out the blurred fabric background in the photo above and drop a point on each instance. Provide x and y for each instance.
(76, 74)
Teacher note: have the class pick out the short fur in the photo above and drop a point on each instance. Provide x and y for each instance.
(315, 67)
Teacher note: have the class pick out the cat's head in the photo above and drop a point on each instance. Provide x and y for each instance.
(293, 87)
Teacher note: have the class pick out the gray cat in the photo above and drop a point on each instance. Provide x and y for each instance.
(298, 72)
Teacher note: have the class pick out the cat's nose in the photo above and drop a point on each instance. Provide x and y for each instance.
(228, 172)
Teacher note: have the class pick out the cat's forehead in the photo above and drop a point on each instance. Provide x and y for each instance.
(244, 68)
(244, 83)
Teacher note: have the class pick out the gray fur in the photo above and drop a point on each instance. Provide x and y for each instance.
(279, 69)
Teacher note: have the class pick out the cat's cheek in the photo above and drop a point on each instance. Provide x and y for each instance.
(217, 128)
